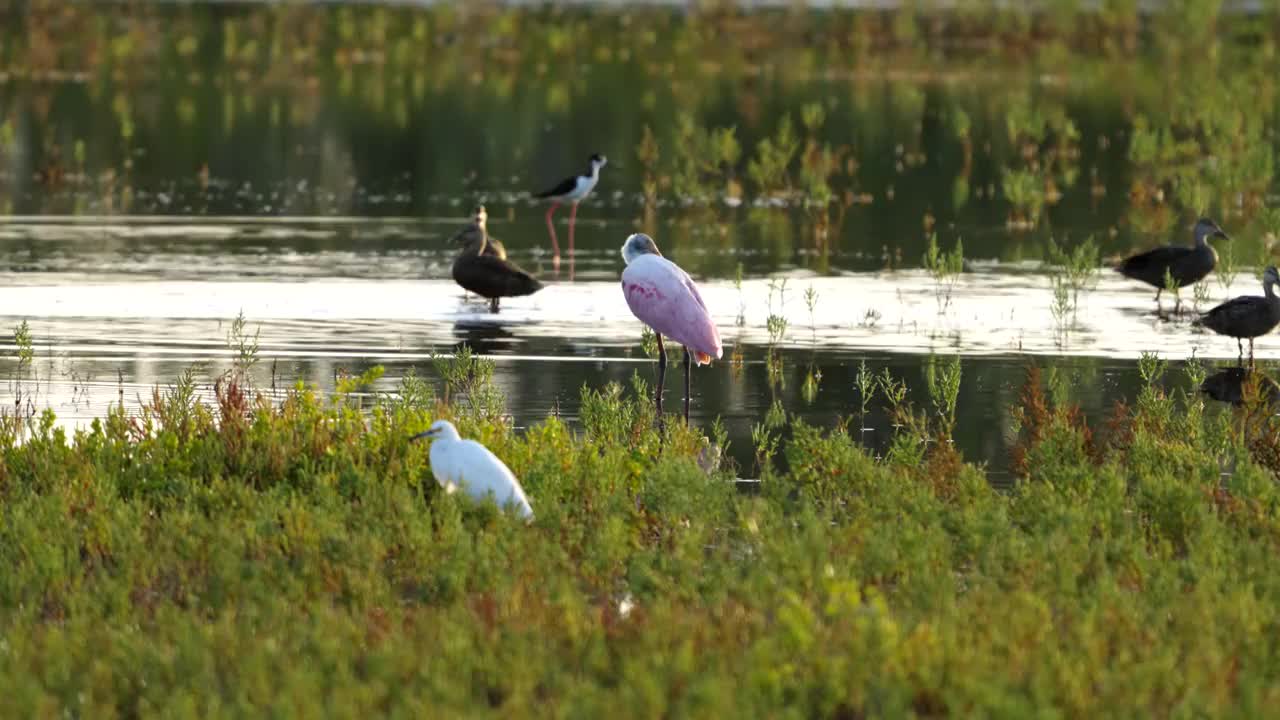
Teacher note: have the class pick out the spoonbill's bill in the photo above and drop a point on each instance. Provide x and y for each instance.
(1185, 265)
(571, 190)
(1248, 316)
(666, 299)
(487, 272)
(469, 466)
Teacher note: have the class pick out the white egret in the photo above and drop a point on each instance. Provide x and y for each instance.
(468, 465)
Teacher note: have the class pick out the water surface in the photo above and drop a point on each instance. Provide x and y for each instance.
(164, 168)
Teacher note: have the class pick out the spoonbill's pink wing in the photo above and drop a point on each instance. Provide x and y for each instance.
(710, 345)
(665, 298)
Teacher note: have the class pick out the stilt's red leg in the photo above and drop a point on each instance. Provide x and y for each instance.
(573, 217)
(551, 228)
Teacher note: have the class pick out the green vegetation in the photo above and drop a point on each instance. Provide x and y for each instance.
(1072, 272)
(833, 129)
(706, 161)
(292, 553)
(945, 268)
(297, 557)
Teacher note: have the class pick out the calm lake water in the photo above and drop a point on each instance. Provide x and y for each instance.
(305, 166)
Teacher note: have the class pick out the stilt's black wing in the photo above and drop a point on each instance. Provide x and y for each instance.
(565, 187)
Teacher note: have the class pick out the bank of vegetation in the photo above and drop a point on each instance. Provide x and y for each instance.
(294, 554)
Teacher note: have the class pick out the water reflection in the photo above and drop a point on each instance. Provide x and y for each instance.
(156, 184)
(780, 151)
(1232, 385)
(484, 338)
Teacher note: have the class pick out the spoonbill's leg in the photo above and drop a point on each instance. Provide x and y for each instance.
(1158, 291)
(493, 305)
(1177, 302)
(662, 376)
(688, 368)
(1240, 351)
(573, 219)
(551, 229)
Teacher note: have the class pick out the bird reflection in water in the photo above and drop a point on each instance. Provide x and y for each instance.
(484, 338)
(1235, 384)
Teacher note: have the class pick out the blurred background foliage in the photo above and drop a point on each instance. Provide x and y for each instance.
(867, 129)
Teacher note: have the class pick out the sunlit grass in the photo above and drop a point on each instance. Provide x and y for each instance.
(296, 554)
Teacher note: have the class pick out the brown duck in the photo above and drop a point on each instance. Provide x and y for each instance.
(475, 229)
(482, 266)
(1248, 316)
(1182, 265)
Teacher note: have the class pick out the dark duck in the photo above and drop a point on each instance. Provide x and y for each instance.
(475, 230)
(1249, 316)
(1182, 265)
(482, 266)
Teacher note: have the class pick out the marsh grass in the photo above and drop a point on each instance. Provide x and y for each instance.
(243, 346)
(813, 375)
(943, 381)
(1201, 297)
(865, 384)
(706, 160)
(649, 342)
(1227, 267)
(945, 268)
(1171, 286)
(1063, 310)
(1078, 267)
(776, 324)
(1072, 272)
(467, 381)
(24, 385)
(1026, 195)
(769, 170)
(294, 555)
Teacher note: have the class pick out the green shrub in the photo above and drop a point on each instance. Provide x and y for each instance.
(296, 558)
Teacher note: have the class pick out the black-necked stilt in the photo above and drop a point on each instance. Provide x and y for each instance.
(1184, 265)
(571, 190)
(489, 275)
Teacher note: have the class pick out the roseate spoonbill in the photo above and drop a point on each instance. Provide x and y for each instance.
(476, 229)
(665, 298)
(571, 190)
(489, 275)
(1185, 265)
(466, 464)
(1248, 316)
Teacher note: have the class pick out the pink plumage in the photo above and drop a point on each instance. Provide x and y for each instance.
(665, 298)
